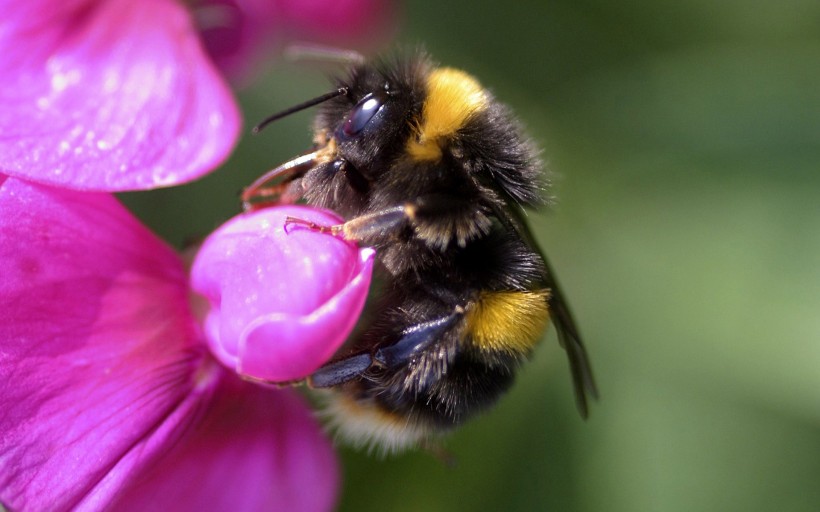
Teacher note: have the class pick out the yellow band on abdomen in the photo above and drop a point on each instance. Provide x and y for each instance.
(508, 321)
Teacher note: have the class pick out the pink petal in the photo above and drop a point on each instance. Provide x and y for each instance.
(352, 22)
(240, 34)
(281, 304)
(98, 352)
(256, 449)
(237, 33)
(109, 95)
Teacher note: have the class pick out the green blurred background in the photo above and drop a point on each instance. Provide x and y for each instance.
(685, 138)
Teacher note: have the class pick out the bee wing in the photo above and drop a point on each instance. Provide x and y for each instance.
(570, 339)
(513, 216)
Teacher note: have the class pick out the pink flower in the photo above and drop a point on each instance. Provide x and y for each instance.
(238, 34)
(267, 327)
(109, 95)
(117, 95)
(109, 395)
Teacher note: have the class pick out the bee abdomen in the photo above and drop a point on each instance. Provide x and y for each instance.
(507, 322)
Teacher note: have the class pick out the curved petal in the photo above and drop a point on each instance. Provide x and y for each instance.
(237, 33)
(100, 359)
(286, 346)
(109, 95)
(281, 302)
(256, 449)
(352, 22)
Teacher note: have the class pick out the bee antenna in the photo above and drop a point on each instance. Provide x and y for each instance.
(341, 91)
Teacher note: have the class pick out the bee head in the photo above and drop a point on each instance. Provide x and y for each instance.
(406, 125)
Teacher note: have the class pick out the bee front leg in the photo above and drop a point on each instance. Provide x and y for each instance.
(276, 185)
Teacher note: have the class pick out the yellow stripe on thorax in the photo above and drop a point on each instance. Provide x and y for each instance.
(508, 321)
(452, 97)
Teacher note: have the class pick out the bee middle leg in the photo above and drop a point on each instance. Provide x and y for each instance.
(437, 219)
(366, 227)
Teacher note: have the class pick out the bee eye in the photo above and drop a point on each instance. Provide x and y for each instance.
(362, 113)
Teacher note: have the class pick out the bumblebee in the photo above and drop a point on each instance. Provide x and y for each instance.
(427, 167)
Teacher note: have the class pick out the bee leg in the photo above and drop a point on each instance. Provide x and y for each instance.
(438, 219)
(341, 371)
(319, 228)
(273, 186)
(264, 196)
(414, 340)
(367, 227)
